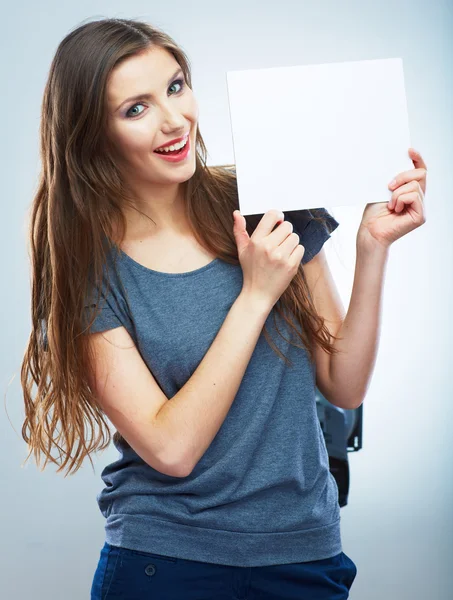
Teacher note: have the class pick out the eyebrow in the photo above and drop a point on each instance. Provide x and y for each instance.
(145, 95)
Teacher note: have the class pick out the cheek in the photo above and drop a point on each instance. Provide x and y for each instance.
(191, 107)
(194, 106)
(136, 139)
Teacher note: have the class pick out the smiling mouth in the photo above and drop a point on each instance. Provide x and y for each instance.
(161, 151)
(176, 156)
(172, 152)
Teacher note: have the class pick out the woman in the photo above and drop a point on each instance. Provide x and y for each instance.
(157, 305)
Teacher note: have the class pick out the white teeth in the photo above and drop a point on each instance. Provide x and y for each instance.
(174, 147)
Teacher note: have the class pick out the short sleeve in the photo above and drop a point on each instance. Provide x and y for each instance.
(312, 233)
(105, 319)
(113, 310)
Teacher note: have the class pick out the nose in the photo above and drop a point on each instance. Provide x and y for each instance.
(173, 118)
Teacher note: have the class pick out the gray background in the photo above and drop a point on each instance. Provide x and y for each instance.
(398, 525)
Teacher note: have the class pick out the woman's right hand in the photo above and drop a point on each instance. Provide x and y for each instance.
(269, 259)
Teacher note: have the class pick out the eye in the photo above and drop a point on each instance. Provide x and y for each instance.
(181, 83)
(177, 81)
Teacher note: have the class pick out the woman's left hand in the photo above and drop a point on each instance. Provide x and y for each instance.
(385, 222)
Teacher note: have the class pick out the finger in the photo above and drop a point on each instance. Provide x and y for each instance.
(415, 210)
(412, 186)
(280, 234)
(417, 159)
(411, 199)
(406, 176)
(267, 223)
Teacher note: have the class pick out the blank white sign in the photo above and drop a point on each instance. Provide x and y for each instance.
(312, 136)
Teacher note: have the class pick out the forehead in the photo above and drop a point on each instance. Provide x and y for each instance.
(144, 71)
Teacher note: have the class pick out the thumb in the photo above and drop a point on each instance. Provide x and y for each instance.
(240, 231)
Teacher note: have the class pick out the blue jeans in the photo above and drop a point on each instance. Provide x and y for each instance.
(124, 574)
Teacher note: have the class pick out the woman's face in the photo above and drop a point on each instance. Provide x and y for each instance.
(164, 108)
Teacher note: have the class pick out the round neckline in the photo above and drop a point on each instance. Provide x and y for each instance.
(163, 273)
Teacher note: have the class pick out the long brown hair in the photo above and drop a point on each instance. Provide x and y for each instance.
(77, 207)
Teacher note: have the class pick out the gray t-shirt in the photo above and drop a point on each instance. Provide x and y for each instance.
(262, 494)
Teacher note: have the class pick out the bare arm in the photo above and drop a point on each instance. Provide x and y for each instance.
(172, 434)
(352, 367)
(192, 418)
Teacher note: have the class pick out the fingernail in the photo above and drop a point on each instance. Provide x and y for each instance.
(392, 183)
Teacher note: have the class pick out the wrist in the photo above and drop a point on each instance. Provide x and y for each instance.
(376, 255)
(254, 302)
(371, 247)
